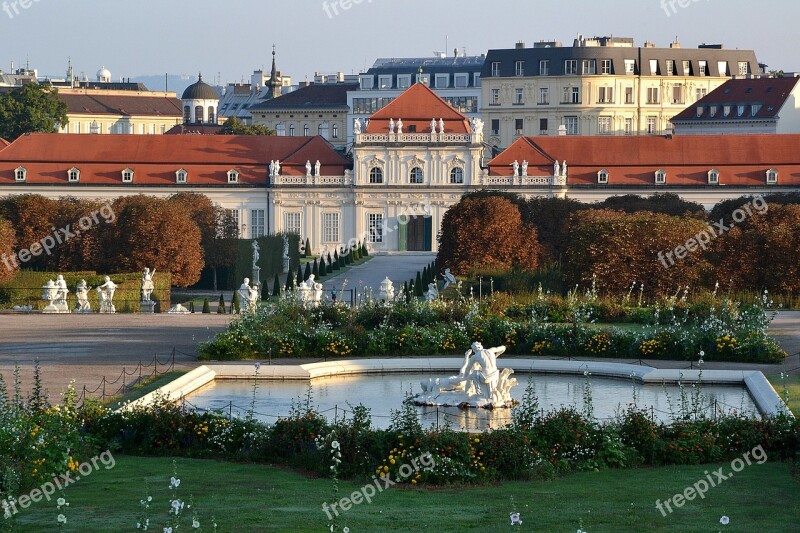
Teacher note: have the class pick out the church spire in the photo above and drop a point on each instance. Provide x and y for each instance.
(274, 83)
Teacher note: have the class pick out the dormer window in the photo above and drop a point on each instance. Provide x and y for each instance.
(740, 110)
(74, 175)
(699, 111)
(181, 176)
(713, 177)
(661, 177)
(712, 110)
(127, 176)
(21, 174)
(602, 177)
(726, 110)
(772, 176)
(233, 176)
(754, 109)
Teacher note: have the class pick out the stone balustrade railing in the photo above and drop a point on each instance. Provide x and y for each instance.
(362, 138)
(309, 180)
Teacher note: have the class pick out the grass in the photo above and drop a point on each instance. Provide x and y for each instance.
(245, 497)
(147, 385)
(792, 384)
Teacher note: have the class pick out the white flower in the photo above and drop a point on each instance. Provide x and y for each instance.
(196, 524)
(149, 498)
(515, 519)
(725, 520)
(346, 529)
(702, 353)
(138, 525)
(167, 530)
(335, 445)
(62, 519)
(174, 483)
(60, 502)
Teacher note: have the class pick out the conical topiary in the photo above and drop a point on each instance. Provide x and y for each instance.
(308, 271)
(191, 307)
(276, 286)
(236, 305)
(289, 281)
(307, 252)
(341, 260)
(329, 265)
(364, 250)
(221, 305)
(265, 291)
(336, 264)
(299, 275)
(418, 291)
(206, 307)
(315, 268)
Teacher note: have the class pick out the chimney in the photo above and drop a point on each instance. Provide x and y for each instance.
(520, 45)
(562, 131)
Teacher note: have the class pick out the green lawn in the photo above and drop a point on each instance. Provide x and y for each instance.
(261, 498)
(792, 384)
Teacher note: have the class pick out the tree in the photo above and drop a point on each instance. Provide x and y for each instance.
(307, 272)
(489, 232)
(315, 269)
(32, 216)
(7, 241)
(329, 267)
(619, 249)
(290, 279)
(206, 307)
(32, 108)
(150, 232)
(276, 286)
(307, 248)
(236, 304)
(336, 264)
(364, 250)
(233, 126)
(551, 218)
(667, 203)
(299, 274)
(221, 305)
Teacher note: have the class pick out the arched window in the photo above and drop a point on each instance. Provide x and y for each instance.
(457, 175)
(127, 176)
(187, 114)
(602, 176)
(210, 114)
(181, 176)
(306, 131)
(199, 115)
(661, 177)
(376, 175)
(713, 176)
(772, 176)
(291, 130)
(335, 131)
(21, 174)
(233, 176)
(74, 175)
(323, 130)
(416, 175)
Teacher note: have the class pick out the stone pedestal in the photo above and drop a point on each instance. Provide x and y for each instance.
(285, 265)
(147, 308)
(256, 276)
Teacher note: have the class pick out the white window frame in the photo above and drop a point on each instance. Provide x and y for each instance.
(519, 68)
(375, 227)
(495, 72)
(385, 82)
(604, 125)
(605, 95)
(416, 176)
(403, 81)
(605, 66)
(713, 177)
(293, 222)
(652, 125)
(330, 228)
(233, 176)
(628, 126)
(376, 174)
(589, 67)
(461, 81)
(602, 177)
(772, 176)
(519, 96)
(457, 176)
(544, 67)
(367, 82)
(495, 97)
(258, 227)
(73, 175)
(744, 68)
(442, 81)
(181, 176)
(544, 95)
(661, 177)
(570, 67)
(630, 66)
(127, 175)
(573, 125)
(20, 174)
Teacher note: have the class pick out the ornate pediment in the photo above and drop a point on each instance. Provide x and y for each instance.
(376, 162)
(456, 162)
(416, 162)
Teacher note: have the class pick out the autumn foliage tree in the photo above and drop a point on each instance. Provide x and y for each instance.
(621, 248)
(487, 231)
(31, 216)
(7, 243)
(151, 232)
(761, 252)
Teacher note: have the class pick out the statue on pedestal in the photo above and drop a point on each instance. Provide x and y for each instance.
(277, 167)
(308, 168)
(147, 284)
(449, 278)
(61, 295)
(272, 168)
(515, 166)
(432, 295)
(317, 168)
(106, 294)
(248, 296)
(556, 169)
(391, 125)
(256, 255)
(433, 125)
(386, 292)
(399, 126)
(479, 383)
(49, 295)
(525, 168)
(357, 126)
(441, 125)
(82, 298)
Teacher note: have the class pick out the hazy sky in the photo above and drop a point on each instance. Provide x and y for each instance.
(232, 38)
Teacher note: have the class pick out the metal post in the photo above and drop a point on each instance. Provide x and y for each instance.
(103, 398)
(480, 288)
(123, 380)
(335, 412)
(230, 410)
(437, 418)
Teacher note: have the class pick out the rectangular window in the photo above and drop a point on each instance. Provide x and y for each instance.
(670, 67)
(292, 223)
(628, 126)
(495, 97)
(257, 227)
(572, 125)
(604, 125)
(677, 93)
(687, 68)
(606, 95)
(571, 67)
(519, 68)
(495, 126)
(403, 81)
(630, 66)
(367, 82)
(703, 68)
(544, 95)
(461, 81)
(628, 95)
(519, 96)
(496, 69)
(519, 124)
(654, 67)
(424, 79)
(464, 104)
(375, 227)
(589, 67)
(605, 66)
(543, 126)
(576, 95)
(652, 95)
(651, 125)
(477, 79)
(744, 68)
(722, 66)
(330, 228)
(701, 93)
(442, 81)
(544, 67)
(384, 82)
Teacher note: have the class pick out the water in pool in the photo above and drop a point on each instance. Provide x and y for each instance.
(335, 396)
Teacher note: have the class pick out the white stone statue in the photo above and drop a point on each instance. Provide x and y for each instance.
(556, 169)
(525, 168)
(477, 125)
(50, 295)
(147, 284)
(285, 247)
(433, 125)
(308, 168)
(432, 294)
(357, 126)
(386, 292)
(441, 125)
(82, 298)
(272, 168)
(248, 296)
(106, 294)
(391, 125)
(178, 310)
(515, 165)
(277, 167)
(317, 294)
(317, 168)
(479, 383)
(449, 278)
(256, 255)
(303, 293)
(564, 169)
(399, 126)
(61, 295)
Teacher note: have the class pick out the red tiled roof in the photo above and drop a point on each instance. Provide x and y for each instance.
(740, 159)
(155, 158)
(194, 129)
(416, 107)
(127, 105)
(770, 93)
(3, 143)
